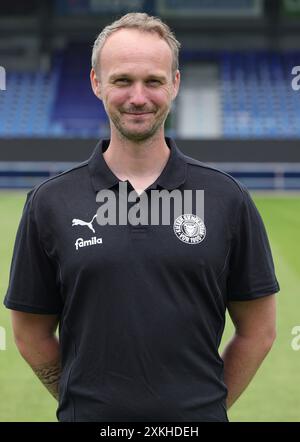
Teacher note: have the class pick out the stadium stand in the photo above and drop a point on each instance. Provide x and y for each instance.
(71, 115)
(236, 106)
(26, 105)
(256, 100)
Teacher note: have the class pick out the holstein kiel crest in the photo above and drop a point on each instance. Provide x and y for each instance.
(189, 228)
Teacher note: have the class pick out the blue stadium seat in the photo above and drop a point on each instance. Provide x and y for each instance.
(257, 99)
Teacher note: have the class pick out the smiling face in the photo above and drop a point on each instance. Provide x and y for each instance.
(135, 82)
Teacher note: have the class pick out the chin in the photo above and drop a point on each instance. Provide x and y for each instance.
(136, 135)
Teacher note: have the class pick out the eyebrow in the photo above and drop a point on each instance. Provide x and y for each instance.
(123, 75)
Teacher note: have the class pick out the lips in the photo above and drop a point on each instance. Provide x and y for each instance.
(138, 113)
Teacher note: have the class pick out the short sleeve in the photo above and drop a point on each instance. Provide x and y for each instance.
(251, 266)
(33, 282)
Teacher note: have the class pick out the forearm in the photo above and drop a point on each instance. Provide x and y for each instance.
(242, 358)
(44, 358)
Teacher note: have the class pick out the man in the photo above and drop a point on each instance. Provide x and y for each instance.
(141, 307)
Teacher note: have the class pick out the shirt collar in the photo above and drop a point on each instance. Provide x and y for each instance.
(172, 176)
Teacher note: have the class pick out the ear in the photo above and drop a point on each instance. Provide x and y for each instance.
(95, 83)
(176, 84)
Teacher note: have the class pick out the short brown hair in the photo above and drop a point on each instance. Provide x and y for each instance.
(144, 23)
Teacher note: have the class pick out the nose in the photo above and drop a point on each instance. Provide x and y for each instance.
(137, 97)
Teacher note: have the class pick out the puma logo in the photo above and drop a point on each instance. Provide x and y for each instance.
(80, 222)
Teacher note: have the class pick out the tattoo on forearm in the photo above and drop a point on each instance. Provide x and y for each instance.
(49, 375)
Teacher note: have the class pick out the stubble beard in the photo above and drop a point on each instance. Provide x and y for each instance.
(137, 136)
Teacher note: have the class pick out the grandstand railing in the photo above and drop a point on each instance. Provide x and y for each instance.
(256, 176)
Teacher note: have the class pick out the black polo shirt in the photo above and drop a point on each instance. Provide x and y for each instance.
(142, 307)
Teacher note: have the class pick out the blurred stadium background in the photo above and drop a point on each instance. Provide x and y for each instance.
(238, 109)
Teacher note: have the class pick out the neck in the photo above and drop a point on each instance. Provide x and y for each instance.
(128, 159)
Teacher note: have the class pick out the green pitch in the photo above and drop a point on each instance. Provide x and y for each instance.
(274, 393)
